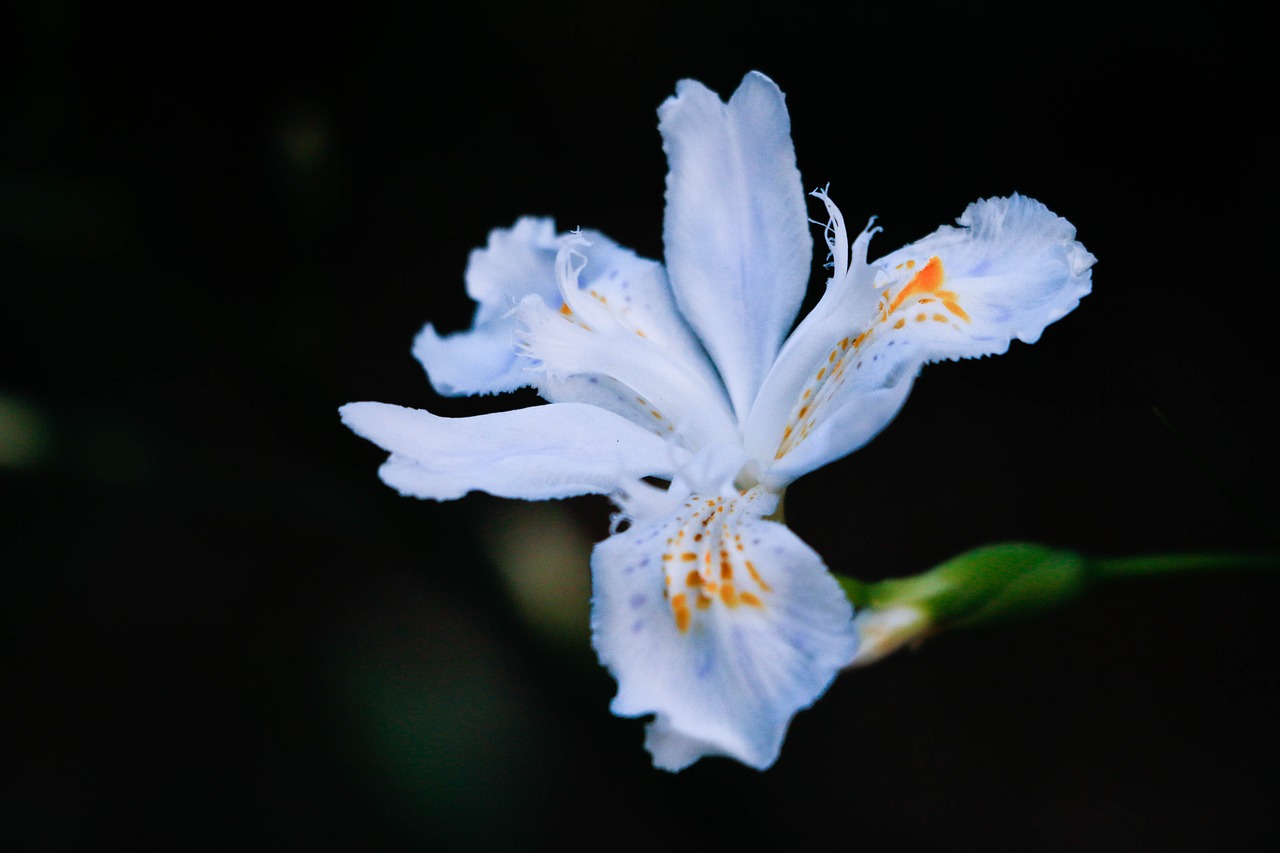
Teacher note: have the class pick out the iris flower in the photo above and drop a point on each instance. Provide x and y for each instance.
(683, 393)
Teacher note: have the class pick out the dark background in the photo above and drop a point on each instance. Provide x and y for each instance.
(220, 629)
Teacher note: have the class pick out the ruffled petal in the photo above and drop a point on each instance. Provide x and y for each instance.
(518, 262)
(737, 241)
(592, 350)
(542, 452)
(1012, 268)
(720, 623)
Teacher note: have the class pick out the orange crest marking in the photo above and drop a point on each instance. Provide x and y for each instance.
(722, 575)
(924, 287)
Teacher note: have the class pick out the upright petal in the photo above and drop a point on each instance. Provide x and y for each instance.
(720, 623)
(737, 241)
(1012, 268)
(542, 452)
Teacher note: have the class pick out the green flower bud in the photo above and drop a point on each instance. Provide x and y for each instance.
(985, 586)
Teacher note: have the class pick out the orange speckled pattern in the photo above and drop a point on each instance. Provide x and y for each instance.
(723, 577)
(923, 288)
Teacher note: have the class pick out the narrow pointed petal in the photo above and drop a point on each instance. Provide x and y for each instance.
(736, 232)
(720, 623)
(542, 452)
(1010, 269)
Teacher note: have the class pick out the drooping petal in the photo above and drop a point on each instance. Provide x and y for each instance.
(542, 452)
(720, 623)
(1010, 269)
(517, 262)
(736, 232)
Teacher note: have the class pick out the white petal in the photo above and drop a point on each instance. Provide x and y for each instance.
(1013, 266)
(720, 623)
(589, 351)
(736, 233)
(515, 262)
(542, 452)
(636, 295)
(518, 262)
(481, 360)
(1010, 270)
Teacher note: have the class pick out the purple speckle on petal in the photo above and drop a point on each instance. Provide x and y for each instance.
(637, 601)
(645, 561)
(637, 626)
(704, 664)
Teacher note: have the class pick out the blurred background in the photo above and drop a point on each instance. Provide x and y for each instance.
(219, 223)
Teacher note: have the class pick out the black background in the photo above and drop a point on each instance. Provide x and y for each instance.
(220, 222)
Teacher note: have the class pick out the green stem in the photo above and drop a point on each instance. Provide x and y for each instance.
(1157, 564)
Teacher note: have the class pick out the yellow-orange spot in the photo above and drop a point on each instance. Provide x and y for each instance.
(688, 556)
(726, 570)
(640, 333)
(703, 601)
(566, 310)
(804, 410)
(955, 308)
(750, 598)
(821, 373)
(857, 342)
(667, 557)
(707, 558)
(755, 576)
(928, 280)
(901, 322)
(697, 537)
(831, 356)
(727, 595)
(693, 579)
(911, 265)
(845, 343)
(920, 317)
(941, 318)
(926, 300)
(806, 394)
(655, 413)
(680, 607)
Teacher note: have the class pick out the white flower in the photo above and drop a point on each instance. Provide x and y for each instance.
(712, 616)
